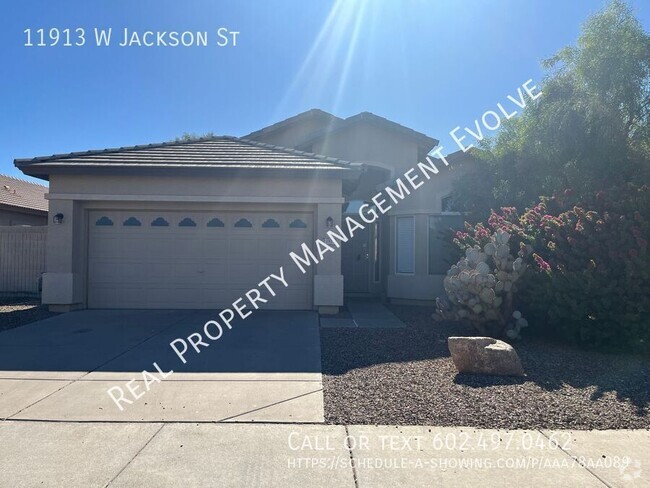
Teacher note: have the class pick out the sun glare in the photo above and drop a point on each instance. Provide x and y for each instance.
(326, 68)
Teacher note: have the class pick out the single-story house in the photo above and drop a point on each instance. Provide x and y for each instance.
(22, 202)
(196, 224)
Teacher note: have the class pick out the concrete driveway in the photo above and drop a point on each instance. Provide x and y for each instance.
(266, 368)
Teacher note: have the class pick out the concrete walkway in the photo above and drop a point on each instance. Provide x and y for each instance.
(365, 313)
(288, 455)
(267, 368)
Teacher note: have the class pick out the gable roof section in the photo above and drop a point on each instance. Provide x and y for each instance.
(207, 155)
(15, 192)
(301, 117)
(370, 118)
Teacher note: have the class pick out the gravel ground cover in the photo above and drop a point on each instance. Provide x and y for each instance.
(21, 312)
(406, 377)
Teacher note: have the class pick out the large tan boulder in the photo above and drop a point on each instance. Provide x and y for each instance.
(484, 355)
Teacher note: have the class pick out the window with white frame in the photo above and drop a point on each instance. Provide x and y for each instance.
(442, 252)
(405, 245)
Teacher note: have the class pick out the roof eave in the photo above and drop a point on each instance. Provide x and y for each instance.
(30, 210)
(43, 172)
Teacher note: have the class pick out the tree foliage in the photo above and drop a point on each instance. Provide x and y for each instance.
(588, 131)
(190, 136)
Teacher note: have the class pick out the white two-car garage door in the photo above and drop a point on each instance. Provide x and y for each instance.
(175, 259)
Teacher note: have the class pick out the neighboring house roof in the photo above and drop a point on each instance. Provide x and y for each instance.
(370, 118)
(313, 113)
(15, 192)
(186, 157)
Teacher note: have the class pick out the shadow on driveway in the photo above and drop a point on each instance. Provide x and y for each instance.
(72, 367)
(131, 340)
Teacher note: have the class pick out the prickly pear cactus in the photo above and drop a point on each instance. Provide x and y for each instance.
(481, 285)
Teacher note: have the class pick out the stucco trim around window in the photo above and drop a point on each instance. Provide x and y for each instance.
(407, 270)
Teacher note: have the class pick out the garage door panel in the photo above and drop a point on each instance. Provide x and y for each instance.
(206, 265)
(131, 297)
(106, 247)
(295, 244)
(215, 247)
(275, 246)
(244, 273)
(102, 297)
(178, 295)
(136, 246)
(243, 248)
(187, 273)
(115, 272)
(158, 272)
(189, 246)
(215, 273)
(292, 274)
(161, 245)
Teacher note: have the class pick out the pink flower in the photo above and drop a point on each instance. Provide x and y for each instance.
(543, 265)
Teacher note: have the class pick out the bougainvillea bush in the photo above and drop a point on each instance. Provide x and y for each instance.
(589, 275)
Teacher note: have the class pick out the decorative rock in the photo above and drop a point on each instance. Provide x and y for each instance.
(484, 355)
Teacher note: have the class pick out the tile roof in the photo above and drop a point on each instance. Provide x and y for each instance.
(20, 193)
(314, 112)
(337, 123)
(368, 117)
(222, 152)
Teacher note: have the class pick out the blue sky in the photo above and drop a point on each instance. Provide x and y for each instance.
(430, 65)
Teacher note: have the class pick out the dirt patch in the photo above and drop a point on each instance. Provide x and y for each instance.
(406, 377)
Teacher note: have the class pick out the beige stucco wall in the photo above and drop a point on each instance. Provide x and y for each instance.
(282, 187)
(421, 203)
(64, 284)
(369, 143)
(397, 153)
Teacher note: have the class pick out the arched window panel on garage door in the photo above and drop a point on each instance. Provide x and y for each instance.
(187, 222)
(215, 222)
(132, 222)
(159, 222)
(271, 224)
(104, 221)
(297, 224)
(243, 223)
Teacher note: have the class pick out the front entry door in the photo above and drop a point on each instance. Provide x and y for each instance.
(355, 262)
